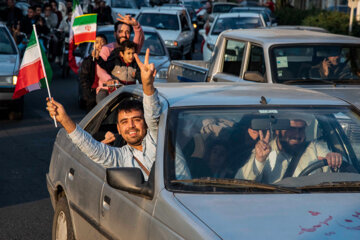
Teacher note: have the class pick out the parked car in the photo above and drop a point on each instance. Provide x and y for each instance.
(264, 11)
(9, 69)
(282, 56)
(226, 21)
(92, 202)
(175, 27)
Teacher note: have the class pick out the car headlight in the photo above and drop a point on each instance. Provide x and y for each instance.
(14, 80)
(210, 46)
(162, 73)
(170, 43)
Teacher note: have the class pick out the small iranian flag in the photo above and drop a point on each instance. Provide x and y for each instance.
(84, 28)
(31, 74)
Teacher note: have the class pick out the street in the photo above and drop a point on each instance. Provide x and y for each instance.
(25, 152)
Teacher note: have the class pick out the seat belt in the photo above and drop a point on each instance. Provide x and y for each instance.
(294, 161)
(142, 166)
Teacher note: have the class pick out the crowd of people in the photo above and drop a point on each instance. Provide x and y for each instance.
(52, 21)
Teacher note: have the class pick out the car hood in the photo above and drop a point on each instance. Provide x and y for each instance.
(168, 34)
(8, 65)
(349, 93)
(277, 216)
(159, 61)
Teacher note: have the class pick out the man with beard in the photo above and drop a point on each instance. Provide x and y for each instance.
(137, 123)
(270, 160)
(122, 30)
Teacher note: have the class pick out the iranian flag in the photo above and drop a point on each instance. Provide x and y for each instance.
(31, 74)
(76, 11)
(84, 28)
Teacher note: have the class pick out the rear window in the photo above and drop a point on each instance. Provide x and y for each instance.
(159, 21)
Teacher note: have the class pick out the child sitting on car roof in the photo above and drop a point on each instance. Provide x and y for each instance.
(121, 64)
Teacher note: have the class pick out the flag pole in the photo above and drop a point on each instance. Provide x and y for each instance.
(42, 65)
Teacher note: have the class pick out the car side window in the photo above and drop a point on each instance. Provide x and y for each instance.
(106, 120)
(234, 52)
(256, 60)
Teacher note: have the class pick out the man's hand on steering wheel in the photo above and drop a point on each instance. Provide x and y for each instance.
(334, 159)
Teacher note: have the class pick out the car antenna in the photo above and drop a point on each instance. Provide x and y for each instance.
(263, 100)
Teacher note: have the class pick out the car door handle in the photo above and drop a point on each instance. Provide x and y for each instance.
(71, 174)
(106, 202)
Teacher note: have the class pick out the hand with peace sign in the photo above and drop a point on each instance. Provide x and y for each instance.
(262, 147)
(127, 19)
(148, 73)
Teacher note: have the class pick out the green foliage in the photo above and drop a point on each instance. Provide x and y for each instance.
(334, 22)
(293, 16)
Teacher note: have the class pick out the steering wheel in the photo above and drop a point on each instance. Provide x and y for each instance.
(313, 166)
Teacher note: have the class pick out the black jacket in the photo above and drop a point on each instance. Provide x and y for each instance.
(118, 69)
(87, 75)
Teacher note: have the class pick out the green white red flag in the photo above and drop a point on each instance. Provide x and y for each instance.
(84, 28)
(31, 74)
(76, 11)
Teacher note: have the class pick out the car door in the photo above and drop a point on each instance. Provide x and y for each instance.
(232, 61)
(186, 33)
(84, 181)
(124, 215)
(254, 67)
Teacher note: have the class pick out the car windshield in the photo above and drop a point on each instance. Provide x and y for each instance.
(6, 45)
(222, 8)
(223, 24)
(213, 149)
(317, 63)
(159, 21)
(153, 42)
(128, 3)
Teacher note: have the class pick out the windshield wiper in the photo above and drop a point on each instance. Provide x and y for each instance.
(236, 183)
(308, 80)
(332, 186)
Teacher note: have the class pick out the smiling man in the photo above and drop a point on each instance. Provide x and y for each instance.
(286, 155)
(137, 123)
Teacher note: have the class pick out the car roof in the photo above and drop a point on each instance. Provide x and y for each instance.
(285, 36)
(236, 94)
(164, 10)
(238, 14)
(249, 8)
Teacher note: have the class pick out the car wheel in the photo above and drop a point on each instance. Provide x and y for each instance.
(62, 228)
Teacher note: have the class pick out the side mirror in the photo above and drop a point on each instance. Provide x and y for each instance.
(254, 76)
(130, 180)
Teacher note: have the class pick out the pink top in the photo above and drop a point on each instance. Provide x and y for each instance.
(107, 49)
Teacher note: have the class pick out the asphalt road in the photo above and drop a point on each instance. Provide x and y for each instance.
(25, 152)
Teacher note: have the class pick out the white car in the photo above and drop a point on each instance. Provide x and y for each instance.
(174, 26)
(227, 21)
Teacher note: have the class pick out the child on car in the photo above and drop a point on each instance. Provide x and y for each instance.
(121, 64)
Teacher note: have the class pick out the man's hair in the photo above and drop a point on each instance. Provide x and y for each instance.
(128, 105)
(102, 36)
(127, 44)
(120, 23)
